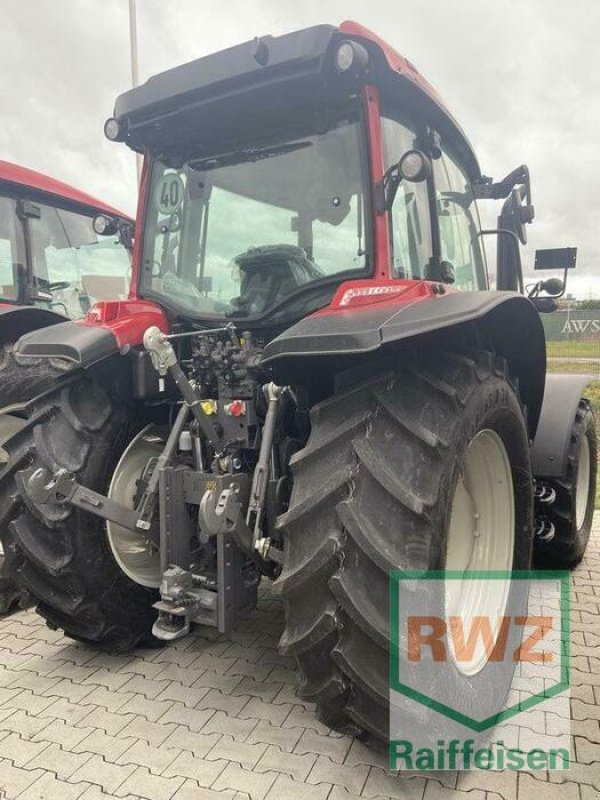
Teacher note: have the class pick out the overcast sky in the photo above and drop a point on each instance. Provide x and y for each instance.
(522, 77)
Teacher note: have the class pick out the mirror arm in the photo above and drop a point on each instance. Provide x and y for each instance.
(387, 188)
(486, 189)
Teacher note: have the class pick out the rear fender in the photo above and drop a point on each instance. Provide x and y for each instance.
(97, 343)
(17, 320)
(551, 445)
(506, 322)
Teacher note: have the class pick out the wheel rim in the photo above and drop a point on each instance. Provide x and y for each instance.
(481, 538)
(582, 489)
(134, 553)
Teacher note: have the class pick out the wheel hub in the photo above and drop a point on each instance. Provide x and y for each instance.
(135, 553)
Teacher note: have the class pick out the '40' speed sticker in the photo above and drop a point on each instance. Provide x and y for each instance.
(169, 193)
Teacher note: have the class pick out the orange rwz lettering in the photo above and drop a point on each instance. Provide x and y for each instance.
(525, 651)
(481, 627)
(417, 637)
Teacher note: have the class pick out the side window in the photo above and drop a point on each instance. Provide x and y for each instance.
(73, 263)
(410, 215)
(11, 249)
(459, 224)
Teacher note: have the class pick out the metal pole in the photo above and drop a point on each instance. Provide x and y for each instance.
(134, 67)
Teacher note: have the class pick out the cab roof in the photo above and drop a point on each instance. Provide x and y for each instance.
(39, 183)
(241, 85)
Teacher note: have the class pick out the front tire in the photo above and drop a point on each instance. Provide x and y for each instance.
(572, 511)
(373, 492)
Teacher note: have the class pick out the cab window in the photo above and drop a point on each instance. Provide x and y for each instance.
(12, 255)
(410, 214)
(75, 265)
(459, 224)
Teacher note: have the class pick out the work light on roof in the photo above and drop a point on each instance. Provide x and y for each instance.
(112, 129)
(414, 166)
(351, 56)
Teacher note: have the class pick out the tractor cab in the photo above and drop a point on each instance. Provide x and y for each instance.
(285, 167)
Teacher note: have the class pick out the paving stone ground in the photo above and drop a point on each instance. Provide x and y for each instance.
(216, 718)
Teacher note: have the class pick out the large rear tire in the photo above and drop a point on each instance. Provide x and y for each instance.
(374, 491)
(572, 512)
(60, 554)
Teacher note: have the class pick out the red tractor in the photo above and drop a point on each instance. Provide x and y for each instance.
(311, 379)
(53, 267)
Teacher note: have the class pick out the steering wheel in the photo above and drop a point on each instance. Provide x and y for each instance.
(58, 286)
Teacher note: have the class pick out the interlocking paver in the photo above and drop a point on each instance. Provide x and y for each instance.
(150, 709)
(245, 754)
(313, 742)
(258, 709)
(108, 776)
(67, 736)
(192, 718)
(191, 791)
(143, 784)
(24, 724)
(203, 771)
(296, 766)
(284, 738)
(28, 701)
(138, 752)
(14, 780)
(105, 720)
(62, 762)
(21, 751)
(182, 694)
(197, 743)
(152, 732)
(255, 784)
(100, 743)
(327, 771)
(288, 788)
(61, 708)
(380, 782)
(47, 787)
(108, 678)
(531, 788)
(221, 723)
(216, 700)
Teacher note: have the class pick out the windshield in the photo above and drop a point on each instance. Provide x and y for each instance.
(238, 233)
(73, 264)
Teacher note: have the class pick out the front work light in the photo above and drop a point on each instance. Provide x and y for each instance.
(414, 166)
(105, 225)
(351, 56)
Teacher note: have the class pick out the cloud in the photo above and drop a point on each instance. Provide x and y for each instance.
(521, 78)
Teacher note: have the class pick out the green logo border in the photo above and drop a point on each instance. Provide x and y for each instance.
(480, 725)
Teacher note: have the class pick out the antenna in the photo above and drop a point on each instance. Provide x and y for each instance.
(134, 67)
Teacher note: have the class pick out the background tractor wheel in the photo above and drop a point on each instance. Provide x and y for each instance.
(10, 593)
(62, 555)
(392, 476)
(572, 511)
(18, 384)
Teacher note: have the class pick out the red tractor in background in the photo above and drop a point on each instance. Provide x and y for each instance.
(53, 267)
(311, 379)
